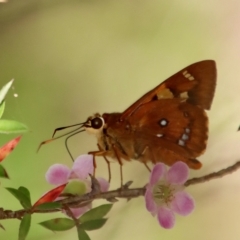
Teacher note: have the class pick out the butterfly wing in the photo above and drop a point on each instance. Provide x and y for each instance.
(168, 123)
(196, 83)
(169, 130)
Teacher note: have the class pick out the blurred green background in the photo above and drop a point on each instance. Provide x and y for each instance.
(72, 58)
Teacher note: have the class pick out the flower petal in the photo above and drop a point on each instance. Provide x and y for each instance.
(166, 217)
(104, 184)
(83, 166)
(157, 173)
(178, 173)
(57, 174)
(150, 204)
(182, 203)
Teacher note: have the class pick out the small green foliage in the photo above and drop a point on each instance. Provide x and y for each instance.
(4, 90)
(82, 235)
(58, 224)
(93, 224)
(3, 172)
(96, 213)
(24, 227)
(11, 126)
(22, 197)
(2, 108)
(25, 191)
(89, 222)
(49, 206)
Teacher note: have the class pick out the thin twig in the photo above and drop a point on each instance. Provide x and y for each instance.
(70, 214)
(125, 192)
(214, 175)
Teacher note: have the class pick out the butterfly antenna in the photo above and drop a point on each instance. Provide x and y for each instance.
(63, 135)
(66, 142)
(62, 128)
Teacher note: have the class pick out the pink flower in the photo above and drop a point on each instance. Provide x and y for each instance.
(78, 179)
(165, 196)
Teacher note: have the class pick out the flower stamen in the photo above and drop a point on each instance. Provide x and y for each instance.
(162, 193)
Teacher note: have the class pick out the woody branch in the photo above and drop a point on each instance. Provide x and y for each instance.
(111, 196)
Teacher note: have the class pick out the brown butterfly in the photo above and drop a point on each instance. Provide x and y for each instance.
(167, 124)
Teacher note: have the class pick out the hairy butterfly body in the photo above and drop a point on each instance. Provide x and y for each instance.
(167, 124)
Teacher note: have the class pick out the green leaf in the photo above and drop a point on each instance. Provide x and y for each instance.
(4, 90)
(93, 224)
(48, 206)
(22, 198)
(11, 126)
(25, 191)
(58, 224)
(2, 107)
(82, 235)
(3, 172)
(24, 227)
(96, 213)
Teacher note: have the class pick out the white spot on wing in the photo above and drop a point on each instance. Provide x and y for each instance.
(165, 93)
(163, 122)
(159, 135)
(184, 95)
(181, 142)
(185, 137)
(187, 75)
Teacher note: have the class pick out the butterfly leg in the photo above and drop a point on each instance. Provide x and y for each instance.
(108, 164)
(120, 163)
(147, 152)
(148, 168)
(101, 153)
(96, 153)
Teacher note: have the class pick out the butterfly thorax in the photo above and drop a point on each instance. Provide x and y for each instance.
(113, 135)
(117, 137)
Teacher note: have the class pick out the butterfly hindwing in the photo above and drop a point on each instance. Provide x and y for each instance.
(171, 130)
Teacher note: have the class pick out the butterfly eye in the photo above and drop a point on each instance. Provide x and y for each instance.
(97, 123)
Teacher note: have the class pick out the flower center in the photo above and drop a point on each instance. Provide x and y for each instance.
(162, 193)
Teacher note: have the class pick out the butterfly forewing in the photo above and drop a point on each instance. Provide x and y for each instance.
(196, 82)
(201, 79)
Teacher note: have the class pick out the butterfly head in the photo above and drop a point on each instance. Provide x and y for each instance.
(94, 124)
